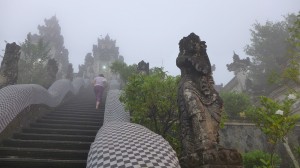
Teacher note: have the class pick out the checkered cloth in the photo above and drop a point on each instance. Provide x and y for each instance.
(120, 144)
(14, 98)
(114, 109)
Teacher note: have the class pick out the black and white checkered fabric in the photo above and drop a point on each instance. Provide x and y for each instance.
(14, 98)
(114, 110)
(121, 144)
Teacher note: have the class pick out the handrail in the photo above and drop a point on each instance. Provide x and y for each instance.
(120, 143)
(15, 98)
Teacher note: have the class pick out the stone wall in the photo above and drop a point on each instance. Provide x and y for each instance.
(246, 137)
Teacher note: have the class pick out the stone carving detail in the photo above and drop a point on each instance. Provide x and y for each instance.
(200, 108)
(238, 65)
(9, 65)
(143, 67)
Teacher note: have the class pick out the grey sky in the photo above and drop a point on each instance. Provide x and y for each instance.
(146, 30)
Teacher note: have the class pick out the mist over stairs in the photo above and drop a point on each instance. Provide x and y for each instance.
(59, 138)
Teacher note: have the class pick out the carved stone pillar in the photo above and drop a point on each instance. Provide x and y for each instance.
(9, 65)
(143, 67)
(200, 109)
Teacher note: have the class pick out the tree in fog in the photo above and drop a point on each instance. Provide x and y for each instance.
(292, 70)
(269, 50)
(38, 49)
(34, 55)
(152, 102)
(51, 33)
(123, 70)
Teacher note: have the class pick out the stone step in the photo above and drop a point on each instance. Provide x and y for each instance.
(79, 105)
(55, 137)
(39, 163)
(71, 118)
(83, 115)
(46, 144)
(65, 126)
(38, 153)
(86, 109)
(83, 110)
(68, 122)
(77, 115)
(60, 131)
(58, 139)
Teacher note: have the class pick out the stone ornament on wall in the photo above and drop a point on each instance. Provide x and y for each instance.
(200, 108)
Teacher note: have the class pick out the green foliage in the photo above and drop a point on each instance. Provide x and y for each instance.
(224, 118)
(51, 33)
(257, 158)
(297, 151)
(268, 49)
(275, 119)
(124, 70)
(235, 103)
(32, 65)
(152, 102)
(292, 70)
(36, 52)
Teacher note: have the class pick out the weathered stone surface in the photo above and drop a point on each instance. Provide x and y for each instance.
(243, 137)
(143, 67)
(9, 65)
(200, 108)
(238, 65)
(246, 137)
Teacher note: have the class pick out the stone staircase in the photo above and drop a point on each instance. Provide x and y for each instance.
(59, 139)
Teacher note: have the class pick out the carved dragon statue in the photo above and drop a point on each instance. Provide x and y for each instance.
(200, 108)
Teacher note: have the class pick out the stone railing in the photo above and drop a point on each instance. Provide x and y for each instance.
(120, 143)
(15, 98)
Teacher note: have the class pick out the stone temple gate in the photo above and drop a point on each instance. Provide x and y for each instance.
(105, 53)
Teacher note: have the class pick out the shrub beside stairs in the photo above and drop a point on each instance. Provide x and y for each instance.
(58, 139)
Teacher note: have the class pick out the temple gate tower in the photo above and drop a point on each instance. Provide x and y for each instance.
(105, 53)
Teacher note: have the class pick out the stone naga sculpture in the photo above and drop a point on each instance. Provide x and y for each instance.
(200, 108)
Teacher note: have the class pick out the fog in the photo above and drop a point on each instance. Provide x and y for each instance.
(146, 30)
